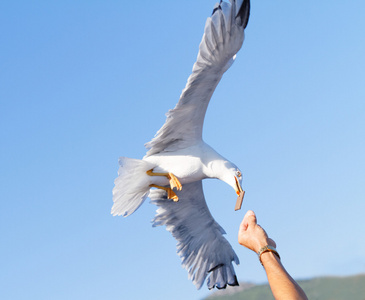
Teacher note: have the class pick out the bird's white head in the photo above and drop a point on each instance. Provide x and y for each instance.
(229, 173)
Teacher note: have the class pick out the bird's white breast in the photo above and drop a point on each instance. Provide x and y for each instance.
(188, 164)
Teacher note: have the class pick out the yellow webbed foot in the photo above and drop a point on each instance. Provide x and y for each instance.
(170, 193)
(174, 182)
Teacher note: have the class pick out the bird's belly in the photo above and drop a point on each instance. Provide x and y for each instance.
(186, 168)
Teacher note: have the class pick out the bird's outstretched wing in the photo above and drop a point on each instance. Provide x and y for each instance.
(201, 245)
(223, 37)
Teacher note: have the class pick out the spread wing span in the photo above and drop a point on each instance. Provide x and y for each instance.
(222, 39)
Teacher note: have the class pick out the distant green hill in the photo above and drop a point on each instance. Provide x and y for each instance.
(323, 288)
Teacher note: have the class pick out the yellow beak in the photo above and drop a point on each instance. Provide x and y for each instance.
(238, 187)
(240, 193)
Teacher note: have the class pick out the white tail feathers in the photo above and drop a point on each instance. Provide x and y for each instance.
(131, 186)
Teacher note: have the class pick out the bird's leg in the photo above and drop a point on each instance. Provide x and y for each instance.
(170, 193)
(174, 182)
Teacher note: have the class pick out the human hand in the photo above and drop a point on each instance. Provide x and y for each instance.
(251, 235)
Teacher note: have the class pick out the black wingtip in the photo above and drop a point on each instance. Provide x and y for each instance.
(244, 13)
(235, 282)
(217, 7)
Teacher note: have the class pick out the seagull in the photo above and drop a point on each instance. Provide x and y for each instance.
(178, 159)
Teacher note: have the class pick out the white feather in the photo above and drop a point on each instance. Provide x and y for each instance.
(131, 186)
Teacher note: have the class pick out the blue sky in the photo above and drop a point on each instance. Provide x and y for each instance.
(84, 82)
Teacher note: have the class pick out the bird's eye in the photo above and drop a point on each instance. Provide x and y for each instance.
(239, 175)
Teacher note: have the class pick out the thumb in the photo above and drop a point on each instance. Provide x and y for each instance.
(249, 219)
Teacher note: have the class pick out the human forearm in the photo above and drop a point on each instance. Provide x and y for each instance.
(283, 286)
(253, 236)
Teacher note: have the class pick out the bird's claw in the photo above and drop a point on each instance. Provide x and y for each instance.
(174, 182)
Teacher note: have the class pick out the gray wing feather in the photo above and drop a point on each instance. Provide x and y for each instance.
(222, 39)
(201, 246)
